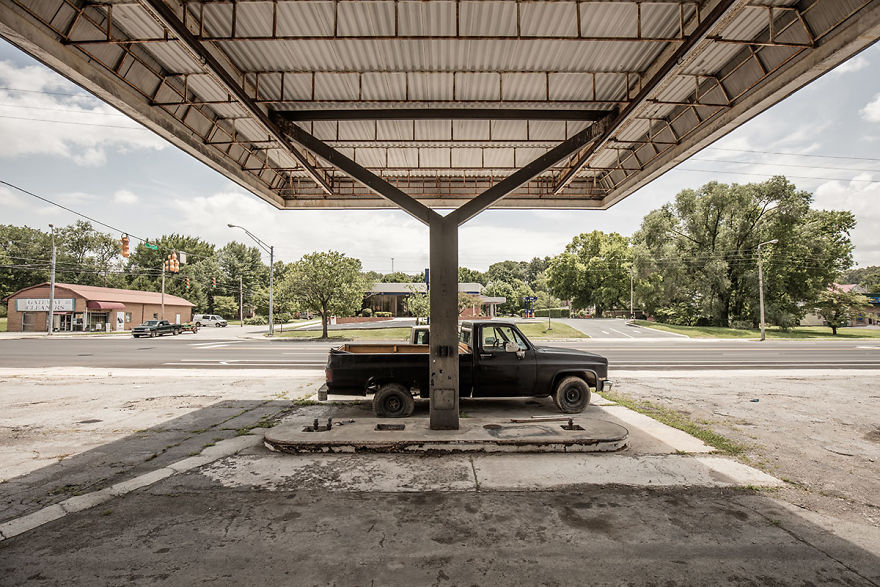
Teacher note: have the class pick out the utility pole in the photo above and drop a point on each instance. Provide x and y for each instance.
(392, 264)
(240, 302)
(761, 282)
(271, 290)
(50, 317)
(163, 290)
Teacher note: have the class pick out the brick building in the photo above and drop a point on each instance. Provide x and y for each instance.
(89, 308)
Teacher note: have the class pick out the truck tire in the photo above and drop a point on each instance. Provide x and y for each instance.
(393, 400)
(199, 324)
(572, 395)
(152, 334)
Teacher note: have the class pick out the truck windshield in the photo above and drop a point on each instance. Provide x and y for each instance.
(495, 337)
(150, 323)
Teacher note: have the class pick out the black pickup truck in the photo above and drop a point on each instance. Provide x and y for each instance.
(495, 360)
(155, 328)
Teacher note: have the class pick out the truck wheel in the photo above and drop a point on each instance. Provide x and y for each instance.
(152, 334)
(393, 401)
(199, 324)
(572, 395)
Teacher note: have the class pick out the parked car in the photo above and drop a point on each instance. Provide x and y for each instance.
(154, 328)
(201, 320)
(495, 360)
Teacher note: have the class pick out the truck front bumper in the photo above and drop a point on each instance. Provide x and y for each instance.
(605, 385)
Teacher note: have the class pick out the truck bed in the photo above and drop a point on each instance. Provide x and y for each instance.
(363, 348)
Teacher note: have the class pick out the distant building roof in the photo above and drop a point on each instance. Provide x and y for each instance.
(848, 287)
(408, 288)
(110, 294)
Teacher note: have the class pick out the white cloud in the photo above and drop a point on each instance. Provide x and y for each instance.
(871, 111)
(371, 236)
(857, 63)
(10, 200)
(38, 116)
(860, 196)
(124, 197)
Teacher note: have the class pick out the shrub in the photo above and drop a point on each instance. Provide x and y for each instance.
(742, 324)
(554, 313)
(256, 321)
(366, 312)
(382, 314)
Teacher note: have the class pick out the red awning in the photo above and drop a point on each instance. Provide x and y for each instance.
(93, 305)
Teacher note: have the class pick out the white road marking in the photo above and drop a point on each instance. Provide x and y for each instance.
(623, 333)
(605, 332)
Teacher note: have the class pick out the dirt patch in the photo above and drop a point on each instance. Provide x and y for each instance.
(819, 434)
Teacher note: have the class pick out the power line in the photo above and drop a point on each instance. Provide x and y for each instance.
(61, 110)
(791, 154)
(79, 95)
(75, 123)
(773, 175)
(48, 201)
(782, 165)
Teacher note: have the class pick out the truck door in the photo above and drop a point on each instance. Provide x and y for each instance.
(499, 372)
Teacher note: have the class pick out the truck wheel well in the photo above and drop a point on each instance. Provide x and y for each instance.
(588, 376)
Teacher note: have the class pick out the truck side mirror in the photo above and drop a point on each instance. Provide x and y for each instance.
(511, 347)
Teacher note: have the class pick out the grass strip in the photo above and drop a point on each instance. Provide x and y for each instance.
(797, 333)
(677, 420)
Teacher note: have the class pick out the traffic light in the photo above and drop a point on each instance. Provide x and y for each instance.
(214, 283)
(187, 283)
(125, 251)
(171, 263)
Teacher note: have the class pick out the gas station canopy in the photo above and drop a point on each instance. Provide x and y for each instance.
(307, 102)
(463, 104)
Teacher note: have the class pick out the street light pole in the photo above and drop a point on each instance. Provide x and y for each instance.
(632, 314)
(761, 282)
(271, 250)
(50, 318)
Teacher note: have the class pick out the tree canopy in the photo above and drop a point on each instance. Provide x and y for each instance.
(327, 283)
(593, 271)
(696, 257)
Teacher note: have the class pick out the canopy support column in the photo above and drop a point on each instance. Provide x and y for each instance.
(444, 385)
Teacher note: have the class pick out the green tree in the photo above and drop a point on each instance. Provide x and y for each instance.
(327, 283)
(418, 303)
(695, 259)
(226, 306)
(466, 300)
(838, 307)
(506, 271)
(466, 275)
(399, 277)
(24, 257)
(593, 271)
(869, 277)
(513, 292)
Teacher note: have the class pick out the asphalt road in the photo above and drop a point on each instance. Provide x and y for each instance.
(187, 351)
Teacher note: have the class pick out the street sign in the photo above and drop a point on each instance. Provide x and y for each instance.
(530, 299)
(149, 246)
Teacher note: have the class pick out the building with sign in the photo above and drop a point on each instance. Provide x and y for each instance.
(391, 297)
(867, 316)
(80, 308)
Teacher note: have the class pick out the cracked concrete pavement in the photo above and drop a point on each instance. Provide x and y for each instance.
(246, 514)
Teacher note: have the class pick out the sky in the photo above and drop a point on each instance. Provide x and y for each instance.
(61, 143)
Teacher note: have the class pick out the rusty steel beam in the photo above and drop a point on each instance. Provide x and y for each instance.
(720, 12)
(168, 17)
